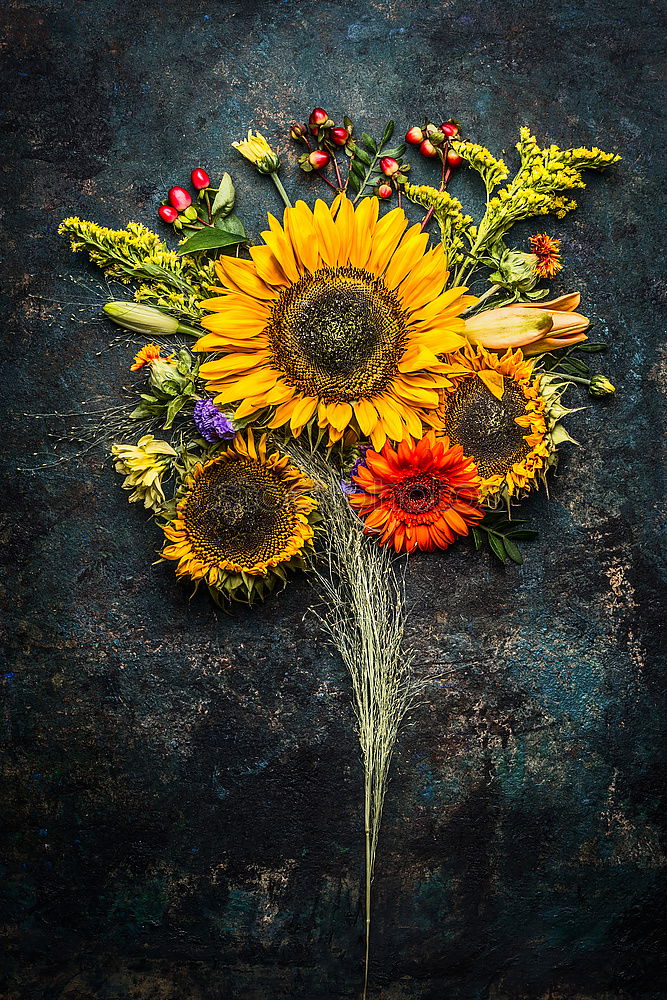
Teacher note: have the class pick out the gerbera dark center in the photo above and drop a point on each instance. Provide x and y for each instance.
(419, 494)
(239, 512)
(338, 334)
(485, 426)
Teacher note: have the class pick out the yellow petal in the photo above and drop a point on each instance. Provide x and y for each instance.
(494, 382)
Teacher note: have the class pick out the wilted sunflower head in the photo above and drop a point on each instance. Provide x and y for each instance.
(494, 410)
(339, 318)
(244, 520)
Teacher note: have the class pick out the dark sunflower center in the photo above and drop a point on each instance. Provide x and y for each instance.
(486, 427)
(419, 494)
(239, 512)
(338, 334)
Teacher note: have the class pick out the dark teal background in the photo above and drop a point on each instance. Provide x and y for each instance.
(182, 789)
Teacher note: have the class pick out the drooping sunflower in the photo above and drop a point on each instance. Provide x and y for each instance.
(338, 318)
(245, 519)
(495, 411)
(419, 496)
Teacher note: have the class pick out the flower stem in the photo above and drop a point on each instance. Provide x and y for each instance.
(281, 190)
(369, 878)
(327, 181)
(338, 176)
(444, 178)
(486, 295)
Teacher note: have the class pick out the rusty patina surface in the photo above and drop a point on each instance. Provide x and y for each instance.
(184, 787)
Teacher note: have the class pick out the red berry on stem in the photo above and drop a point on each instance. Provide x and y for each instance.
(449, 129)
(167, 213)
(200, 179)
(453, 159)
(384, 191)
(339, 135)
(318, 116)
(389, 166)
(318, 159)
(179, 198)
(427, 148)
(414, 135)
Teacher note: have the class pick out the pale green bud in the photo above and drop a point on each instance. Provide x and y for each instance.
(515, 270)
(146, 319)
(600, 386)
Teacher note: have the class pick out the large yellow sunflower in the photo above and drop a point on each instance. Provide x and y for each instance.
(495, 411)
(244, 520)
(339, 318)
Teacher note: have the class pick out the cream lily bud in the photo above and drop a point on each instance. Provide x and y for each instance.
(600, 386)
(509, 326)
(534, 327)
(140, 318)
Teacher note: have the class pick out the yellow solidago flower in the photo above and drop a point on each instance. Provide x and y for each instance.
(144, 466)
(495, 411)
(257, 150)
(338, 319)
(245, 519)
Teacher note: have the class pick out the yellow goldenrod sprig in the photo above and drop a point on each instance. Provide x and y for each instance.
(135, 254)
(492, 171)
(448, 212)
(535, 190)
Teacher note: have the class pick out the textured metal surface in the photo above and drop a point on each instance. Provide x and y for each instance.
(184, 787)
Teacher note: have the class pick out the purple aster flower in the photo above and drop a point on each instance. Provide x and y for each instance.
(211, 423)
(347, 485)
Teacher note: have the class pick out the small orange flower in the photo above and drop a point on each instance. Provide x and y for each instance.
(146, 356)
(419, 496)
(547, 252)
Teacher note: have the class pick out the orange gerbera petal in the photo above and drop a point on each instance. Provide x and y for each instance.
(412, 494)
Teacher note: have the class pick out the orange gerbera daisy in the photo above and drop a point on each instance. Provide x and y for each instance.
(419, 496)
(148, 354)
(338, 318)
(547, 251)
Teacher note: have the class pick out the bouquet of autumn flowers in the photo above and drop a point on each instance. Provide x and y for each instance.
(346, 398)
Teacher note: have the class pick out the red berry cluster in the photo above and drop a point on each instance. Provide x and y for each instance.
(433, 140)
(178, 210)
(322, 137)
(394, 174)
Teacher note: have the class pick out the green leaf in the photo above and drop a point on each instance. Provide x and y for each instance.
(173, 409)
(209, 239)
(144, 412)
(353, 183)
(387, 134)
(362, 155)
(369, 142)
(576, 366)
(523, 534)
(592, 348)
(497, 547)
(231, 224)
(223, 203)
(477, 538)
(358, 169)
(512, 550)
